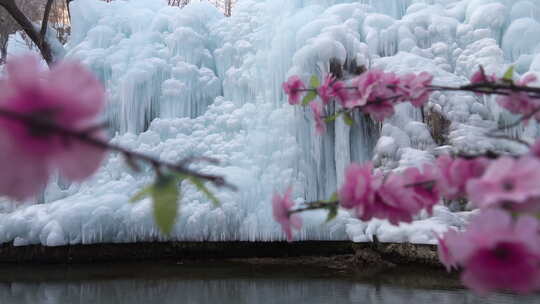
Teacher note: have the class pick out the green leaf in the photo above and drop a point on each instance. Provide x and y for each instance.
(142, 194)
(314, 82)
(509, 75)
(310, 96)
(333, 198)
(348, 119)
(200, 185)
(332, 117)
(166, 194)
(332, 213)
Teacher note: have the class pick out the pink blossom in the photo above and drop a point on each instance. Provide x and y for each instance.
(332, 88)
(394, 201)
(369, 86)
(326, 91)
(394, 197)
(415, 88)
(293, 88)
(340, 92)
(535, 149)
(68, 96)
(481, 77)
(507, 182)
(358, 187)
(379, 110)
(376, 93)
(521, 102)
(422, 184)
(281, 206)
(496, 252)
(445, 255)
(320, 124)
(456, 173)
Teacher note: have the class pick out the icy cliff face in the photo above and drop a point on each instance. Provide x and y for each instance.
(154, 61)
(192, 82)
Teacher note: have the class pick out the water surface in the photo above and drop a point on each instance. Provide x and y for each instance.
(232, 283)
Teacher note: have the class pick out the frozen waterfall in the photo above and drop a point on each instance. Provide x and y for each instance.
(193, 82)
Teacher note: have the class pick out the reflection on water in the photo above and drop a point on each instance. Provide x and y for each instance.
(224, 284)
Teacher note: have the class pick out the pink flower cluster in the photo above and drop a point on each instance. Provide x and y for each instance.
(521, 102)
(332, 88)
(396, 197)
(66, 96)
(480, 76)
(294, 88)
(282, 206)
(496, 252)
(455, 173)
(399, 196)
(374, 92)
(515, 101)
(511, 183)
(507, 182)
(501, 247)
(377, 92)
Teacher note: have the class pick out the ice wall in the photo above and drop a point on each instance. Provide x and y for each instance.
(192, 82)
(154, 61)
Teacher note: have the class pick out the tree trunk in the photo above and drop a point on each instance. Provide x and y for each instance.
(29, 29)
(3, 48)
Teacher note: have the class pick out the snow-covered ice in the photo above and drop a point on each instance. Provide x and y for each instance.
(193, 83)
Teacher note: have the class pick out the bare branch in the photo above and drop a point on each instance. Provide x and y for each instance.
(45, 21)
(29, 29)
(89, 139)
(315, 206)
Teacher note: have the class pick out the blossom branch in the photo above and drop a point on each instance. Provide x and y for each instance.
(319, 205)
(520, 120)
(506, 137)
(491, 88)
(504, 187)
(86, 136)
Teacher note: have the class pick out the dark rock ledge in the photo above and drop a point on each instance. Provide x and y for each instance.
(335, 254)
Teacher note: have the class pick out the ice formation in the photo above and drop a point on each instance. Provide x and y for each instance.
(192, 82)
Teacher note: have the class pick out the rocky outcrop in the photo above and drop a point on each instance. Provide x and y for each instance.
(333, 254)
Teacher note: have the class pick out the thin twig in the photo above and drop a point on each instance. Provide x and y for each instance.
(198, 159)
(377, 101)
(519, 121)
(505, 137)
(425, 184)
(315, 206)
(491, 88)
(487, 154)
